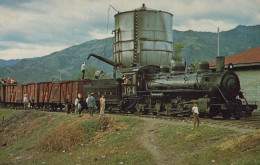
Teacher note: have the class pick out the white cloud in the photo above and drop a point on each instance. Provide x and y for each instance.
(20, 50)
(206, 25)
(45, 25)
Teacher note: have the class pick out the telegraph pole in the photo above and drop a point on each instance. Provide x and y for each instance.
(218, 41)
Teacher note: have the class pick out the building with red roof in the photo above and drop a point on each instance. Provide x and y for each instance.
(247, 58)
(247, 66)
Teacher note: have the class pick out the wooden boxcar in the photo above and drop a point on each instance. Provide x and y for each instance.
(46, 94)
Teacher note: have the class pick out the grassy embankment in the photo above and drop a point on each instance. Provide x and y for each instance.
(55, 138)
(47, 138)
(210, 145)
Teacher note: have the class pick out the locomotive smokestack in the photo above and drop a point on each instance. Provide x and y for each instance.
(220, 64)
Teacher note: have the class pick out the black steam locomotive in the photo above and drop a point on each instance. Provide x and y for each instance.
(157, 90)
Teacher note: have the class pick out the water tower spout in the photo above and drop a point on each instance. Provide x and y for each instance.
(114, 64)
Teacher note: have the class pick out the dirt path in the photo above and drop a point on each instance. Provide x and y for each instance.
(148, 139)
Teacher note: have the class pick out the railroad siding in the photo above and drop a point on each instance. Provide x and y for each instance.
(250, 85)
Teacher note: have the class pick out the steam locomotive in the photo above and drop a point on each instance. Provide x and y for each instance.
(143, 51)
(157, 90)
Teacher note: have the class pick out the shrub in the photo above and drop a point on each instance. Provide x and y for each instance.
(242, 143)
(106, 122)
(64, 137)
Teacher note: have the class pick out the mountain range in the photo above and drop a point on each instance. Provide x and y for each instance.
(4, 63)
(65, 64)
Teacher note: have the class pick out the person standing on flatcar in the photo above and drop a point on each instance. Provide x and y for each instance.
(102, 105)
(83, 68)
(25, 102)
(9, 80)
(68, 103)
(97, 74)
(91, 104)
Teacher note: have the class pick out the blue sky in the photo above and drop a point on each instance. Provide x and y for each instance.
(34, 28)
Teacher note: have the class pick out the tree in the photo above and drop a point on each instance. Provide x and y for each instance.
(177, 49)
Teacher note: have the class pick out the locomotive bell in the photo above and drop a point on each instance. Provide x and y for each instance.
(203, 66)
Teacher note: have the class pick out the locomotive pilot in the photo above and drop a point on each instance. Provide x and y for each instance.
(195, 111)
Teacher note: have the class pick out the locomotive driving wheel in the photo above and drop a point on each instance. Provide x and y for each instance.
(226, 114)
(132, 110)
(238, 114)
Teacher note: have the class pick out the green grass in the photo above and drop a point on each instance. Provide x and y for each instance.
(23, 130)
(118, 146)
(183, 138)
(201, 146)
(7, 113)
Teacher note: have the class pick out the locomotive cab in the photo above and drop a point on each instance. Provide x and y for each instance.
(129, 84)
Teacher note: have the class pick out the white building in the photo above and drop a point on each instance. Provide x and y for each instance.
(247, 67)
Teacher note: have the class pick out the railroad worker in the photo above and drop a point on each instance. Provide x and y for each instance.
(25, 101)
(195, 111)
(83, 68)
(87, 102)
(80, 106)
(68, 103)
(97, 74)
(77, 105)
(31, 101)
(88, 98)
(91, 104)
(102, 105)
(129, 79)
(124, 79)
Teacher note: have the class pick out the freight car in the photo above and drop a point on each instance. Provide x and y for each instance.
(52, 95)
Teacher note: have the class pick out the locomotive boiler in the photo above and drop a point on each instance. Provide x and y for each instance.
(172, 93)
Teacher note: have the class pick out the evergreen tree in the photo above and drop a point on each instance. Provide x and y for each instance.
(177, 49)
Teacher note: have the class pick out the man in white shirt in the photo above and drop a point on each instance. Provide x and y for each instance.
(195, 111)
(102, 105)
(83, 68)
(77, 105)
(25, 101)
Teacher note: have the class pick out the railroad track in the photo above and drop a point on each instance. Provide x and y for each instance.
(243, 123)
